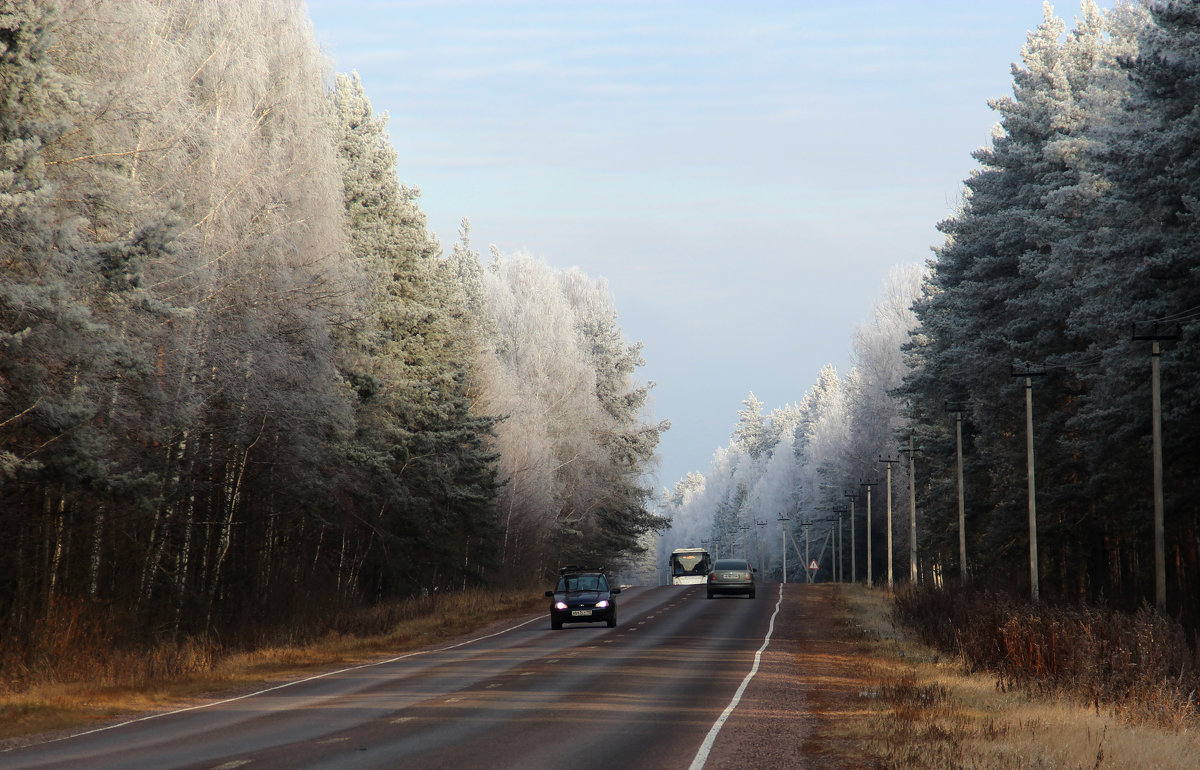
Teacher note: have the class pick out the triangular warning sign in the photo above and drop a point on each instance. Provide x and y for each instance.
(813, 566)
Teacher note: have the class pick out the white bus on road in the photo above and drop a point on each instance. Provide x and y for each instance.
(689, 566)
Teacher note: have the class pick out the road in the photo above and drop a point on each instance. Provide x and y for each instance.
(642, 695)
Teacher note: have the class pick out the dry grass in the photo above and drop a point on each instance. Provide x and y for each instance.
(69, 686)
(924, 711)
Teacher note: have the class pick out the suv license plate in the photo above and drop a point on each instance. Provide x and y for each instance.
(580, 613)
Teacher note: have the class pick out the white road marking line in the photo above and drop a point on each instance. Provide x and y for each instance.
(231, 765)
(706, 747)
(287, 684)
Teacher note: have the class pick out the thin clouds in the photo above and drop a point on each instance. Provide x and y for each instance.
(743, 171)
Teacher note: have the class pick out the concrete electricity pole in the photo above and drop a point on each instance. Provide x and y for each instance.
(762, 549)
(889, 461)
(912, 508)
(1032, 486)
(853, 541)
(808, 576)
(958, 408)
(870, 575)
(1160, 539)
(783, 520)
(840, 553)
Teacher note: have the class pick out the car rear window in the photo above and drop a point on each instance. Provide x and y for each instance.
(582, 583)
(731, 564)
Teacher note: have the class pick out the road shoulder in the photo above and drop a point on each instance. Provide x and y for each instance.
(810, 680)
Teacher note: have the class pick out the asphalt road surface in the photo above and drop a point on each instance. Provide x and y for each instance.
(642, 695)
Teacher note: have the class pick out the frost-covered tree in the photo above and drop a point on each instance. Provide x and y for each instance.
(800, 459)
(239, 385)
(876, 425)
(436, 493)
(52, 349)
(1140, 262)
(1080, 225)
(994, 303)
(577, 439)
(178, 160)
(751, 431)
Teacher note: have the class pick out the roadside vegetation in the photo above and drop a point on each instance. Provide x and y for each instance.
(83, 672)
(242, 385)
(962, 707)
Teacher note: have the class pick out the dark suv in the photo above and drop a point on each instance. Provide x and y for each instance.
(582, 595)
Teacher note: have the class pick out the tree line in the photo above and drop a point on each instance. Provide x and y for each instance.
(241, 383)
(1076, 242)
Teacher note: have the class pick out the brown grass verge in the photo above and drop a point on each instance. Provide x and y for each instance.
(84, 687)
(924, 710)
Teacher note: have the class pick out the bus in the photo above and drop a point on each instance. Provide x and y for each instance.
(689, 566)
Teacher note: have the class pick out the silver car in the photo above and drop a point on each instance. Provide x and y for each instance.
(732, 576)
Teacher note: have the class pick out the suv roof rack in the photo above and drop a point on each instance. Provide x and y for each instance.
(577, 568)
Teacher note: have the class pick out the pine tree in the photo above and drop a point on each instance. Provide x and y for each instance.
(751, 431)
(621, 517)
(992, 298)
(1143, 267)
(415, 418)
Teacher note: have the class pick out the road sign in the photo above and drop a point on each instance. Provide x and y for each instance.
(813, 566)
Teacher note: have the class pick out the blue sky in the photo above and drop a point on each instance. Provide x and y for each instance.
(744, 175)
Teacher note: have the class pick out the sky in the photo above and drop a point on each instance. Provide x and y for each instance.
(743, 175)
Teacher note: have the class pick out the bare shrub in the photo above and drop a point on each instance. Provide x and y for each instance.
(87, 643)
(1141, 665)
(80, 641)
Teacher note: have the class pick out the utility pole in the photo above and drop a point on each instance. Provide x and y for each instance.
(912, 508)
(840, 550)
(807, 572)
(853, 555)
(1160, 539)
(870, 575)
(834, 534)
(783, 520)
(958, 407)
(1029, 374)
(839, 558)
(762, 550)
(806, 523)
(889, 461)
(745, 546)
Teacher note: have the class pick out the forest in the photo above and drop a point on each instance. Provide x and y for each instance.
(241, 385)
(1072, 263)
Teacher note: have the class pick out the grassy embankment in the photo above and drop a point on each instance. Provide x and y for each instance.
(930, 710)
(80, 678)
